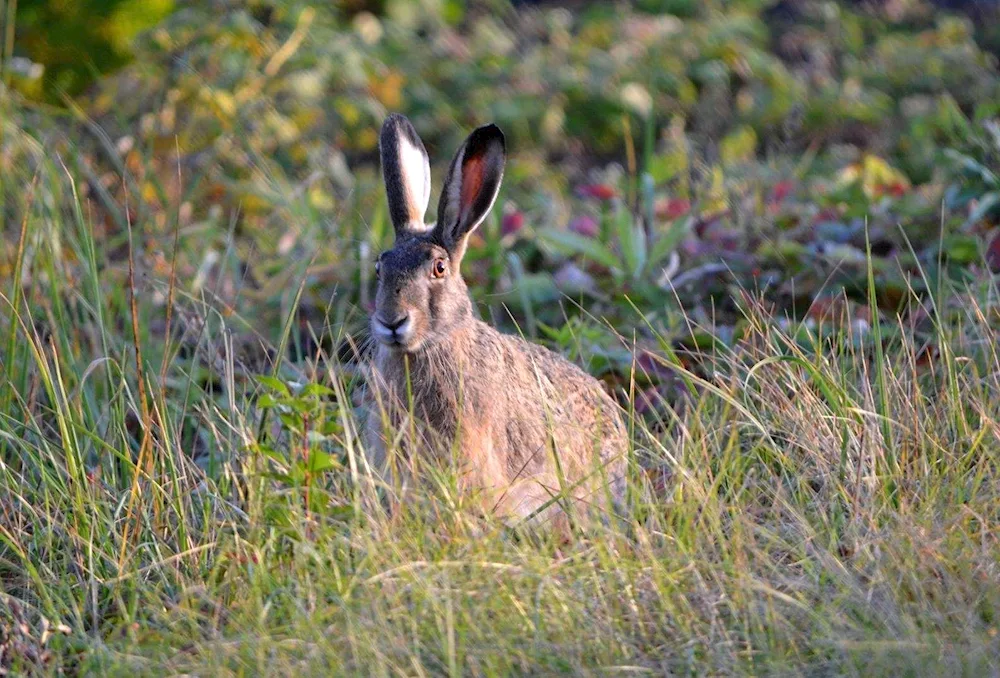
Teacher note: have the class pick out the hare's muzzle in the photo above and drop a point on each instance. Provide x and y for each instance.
(396, 333)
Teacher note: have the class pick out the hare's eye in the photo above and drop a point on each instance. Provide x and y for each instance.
(439, 268)
(378, 266)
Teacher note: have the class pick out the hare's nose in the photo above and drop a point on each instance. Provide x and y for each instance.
(396, 324)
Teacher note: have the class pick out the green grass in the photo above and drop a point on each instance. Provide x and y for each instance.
(807, 505)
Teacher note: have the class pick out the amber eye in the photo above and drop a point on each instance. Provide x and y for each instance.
(439, 268)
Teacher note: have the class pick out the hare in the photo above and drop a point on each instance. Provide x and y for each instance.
(531, 432)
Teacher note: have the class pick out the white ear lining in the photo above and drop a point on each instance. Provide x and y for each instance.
(489, 207)
(416, 174)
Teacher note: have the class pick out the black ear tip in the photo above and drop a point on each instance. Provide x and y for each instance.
(397, 125)
(494, 131)
(487, 135)
(393, 123)
(394, 120)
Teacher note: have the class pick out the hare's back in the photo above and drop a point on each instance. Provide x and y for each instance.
(570, 393)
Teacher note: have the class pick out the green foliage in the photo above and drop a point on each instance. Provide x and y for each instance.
(301, 453)
(74, 41)
(976, 175)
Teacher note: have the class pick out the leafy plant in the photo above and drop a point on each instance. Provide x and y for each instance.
(305, 449)
(627, 245)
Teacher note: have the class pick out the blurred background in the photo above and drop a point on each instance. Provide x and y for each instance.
(667, 156)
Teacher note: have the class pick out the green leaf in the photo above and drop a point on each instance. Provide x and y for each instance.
(320, 461)
(648, 199)
(570, 243)
(300, 406)
(963, 249)
(331, 427)
(290, 421)
(317, 390)
(632, 241)
(274, 384)
(669, 241)
(665, 167)
(973, 166)
(266, 400)
(530, 289)
(271, 453)
(738, 146)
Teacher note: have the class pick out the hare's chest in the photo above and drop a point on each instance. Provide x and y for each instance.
(407, 397)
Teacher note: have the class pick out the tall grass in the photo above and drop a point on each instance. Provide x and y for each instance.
(813, 501)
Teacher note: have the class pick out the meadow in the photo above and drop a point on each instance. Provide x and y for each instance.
(772, 229)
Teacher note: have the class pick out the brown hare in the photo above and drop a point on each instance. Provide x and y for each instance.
(532, 433)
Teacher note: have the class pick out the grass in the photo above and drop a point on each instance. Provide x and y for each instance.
(815, 501)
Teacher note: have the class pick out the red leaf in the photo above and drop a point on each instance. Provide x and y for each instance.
(585, 226)
(512, 223)
(781, 190)
(598, 191)
(671, 208)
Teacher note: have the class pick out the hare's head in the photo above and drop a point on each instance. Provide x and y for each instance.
(421, 295)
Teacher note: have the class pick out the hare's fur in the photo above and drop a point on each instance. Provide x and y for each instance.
(530, 432)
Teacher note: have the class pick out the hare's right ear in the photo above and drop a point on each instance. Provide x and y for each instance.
(470, 188)
(406, 172)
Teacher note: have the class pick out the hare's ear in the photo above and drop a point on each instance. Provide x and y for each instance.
(407, 174)
(470, 188)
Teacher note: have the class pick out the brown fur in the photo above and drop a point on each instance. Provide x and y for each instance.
(523, 424)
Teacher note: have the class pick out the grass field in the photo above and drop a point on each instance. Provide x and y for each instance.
(814, 486)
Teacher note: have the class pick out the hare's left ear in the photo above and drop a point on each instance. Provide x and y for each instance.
(470, 188)
(406, 172)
